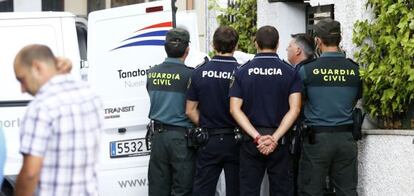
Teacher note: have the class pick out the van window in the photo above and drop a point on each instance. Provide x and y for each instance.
(82, 32)
(6, 6)
(52, 5)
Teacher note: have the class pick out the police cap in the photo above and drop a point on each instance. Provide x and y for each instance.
(177, 35)
(327, 28)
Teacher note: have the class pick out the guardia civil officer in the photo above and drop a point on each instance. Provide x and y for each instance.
(332, 87)
(208, 106)
(171, 165)
(265, 101)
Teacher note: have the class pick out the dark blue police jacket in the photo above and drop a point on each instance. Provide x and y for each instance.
(265, 84)
(210, 87)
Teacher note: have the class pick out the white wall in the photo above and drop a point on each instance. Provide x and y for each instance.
(27, 5)
(288, 18)
(347, 13)
(385, 163)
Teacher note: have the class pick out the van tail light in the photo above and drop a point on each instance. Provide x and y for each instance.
(154, 9)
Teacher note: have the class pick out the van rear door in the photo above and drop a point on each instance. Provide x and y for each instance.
(123, 43)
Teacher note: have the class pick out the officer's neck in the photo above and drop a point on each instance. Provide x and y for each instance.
(329, 48)
(266, 50)
(298, 59)
(225, 54)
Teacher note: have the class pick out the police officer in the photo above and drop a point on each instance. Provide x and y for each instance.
(171, 164)
(300, 50)
(332, 87)
(265, 101)
(208, 106)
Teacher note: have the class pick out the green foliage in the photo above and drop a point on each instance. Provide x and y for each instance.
(241, 17)
(386, 50)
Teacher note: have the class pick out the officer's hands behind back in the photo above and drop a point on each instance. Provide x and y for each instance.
(266, 144)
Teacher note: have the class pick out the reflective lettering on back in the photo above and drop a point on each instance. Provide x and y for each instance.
(163, 79)
(342, 74)
(265, 71)
(216, 74)
(333, 75)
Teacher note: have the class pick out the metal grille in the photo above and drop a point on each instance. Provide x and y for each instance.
(232, 4)
(317, 13)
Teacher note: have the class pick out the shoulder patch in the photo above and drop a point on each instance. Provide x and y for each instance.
(353, 62)
(153, 67)
(310, 60)
(206, 60)
(189, 83)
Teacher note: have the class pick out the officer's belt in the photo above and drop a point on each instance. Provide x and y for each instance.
(219, 131)
(163, 127)
(332, 129)
(270, 131)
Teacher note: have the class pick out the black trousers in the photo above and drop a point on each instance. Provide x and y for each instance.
(253, 165)
(220, 152)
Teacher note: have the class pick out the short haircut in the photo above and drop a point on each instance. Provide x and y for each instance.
(267, 37)
(225, 39)
(176, 42)
(175, 50)
(306, 43)
(331, 41)
(36, 52)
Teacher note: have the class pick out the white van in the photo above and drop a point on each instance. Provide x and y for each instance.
(122, 44)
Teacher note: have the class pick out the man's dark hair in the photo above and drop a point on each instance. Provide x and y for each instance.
(175, 50)
(267, 37)
(36, 52)
(306, 43)
(331, 41)
(225, 39)
(176, 42)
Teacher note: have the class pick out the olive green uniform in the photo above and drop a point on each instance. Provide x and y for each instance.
(331, 86)
(172, 163)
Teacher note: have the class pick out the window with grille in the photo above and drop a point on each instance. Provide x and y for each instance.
(317, 13)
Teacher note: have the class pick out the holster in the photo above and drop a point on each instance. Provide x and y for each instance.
(309, 133)
(149, 134)
(296, 134)
(358, 118)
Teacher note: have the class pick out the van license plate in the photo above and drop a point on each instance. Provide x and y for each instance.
(128, 148)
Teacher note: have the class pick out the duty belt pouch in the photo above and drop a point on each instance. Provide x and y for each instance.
(196, 137)
(358, 118)
(149, 134)
(238, 136)
(189, 135)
